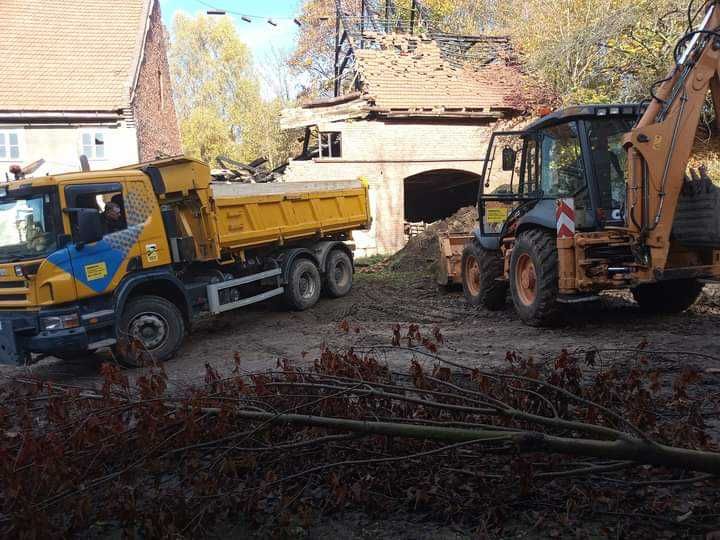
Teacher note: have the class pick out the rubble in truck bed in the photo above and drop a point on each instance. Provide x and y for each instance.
(256, 172)
(421, 252)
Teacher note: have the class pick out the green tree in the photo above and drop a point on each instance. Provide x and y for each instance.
(217, 94)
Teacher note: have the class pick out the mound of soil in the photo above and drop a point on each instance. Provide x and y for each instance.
(421, 252)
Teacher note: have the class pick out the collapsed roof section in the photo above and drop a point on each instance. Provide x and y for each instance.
(409, 73)
(409, 76)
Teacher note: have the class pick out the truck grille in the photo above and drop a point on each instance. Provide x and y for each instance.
(13, 297)
(14, 293)
(12, 284)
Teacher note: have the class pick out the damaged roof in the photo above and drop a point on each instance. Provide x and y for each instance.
(70, 55)
(406, 72)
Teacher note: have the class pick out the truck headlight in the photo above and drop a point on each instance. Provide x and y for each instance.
(60, 322)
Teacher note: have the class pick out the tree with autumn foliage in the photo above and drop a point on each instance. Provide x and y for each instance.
(597, 50)
(219, 103)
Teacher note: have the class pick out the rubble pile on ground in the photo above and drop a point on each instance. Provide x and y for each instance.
(710, 296)
(421, 252)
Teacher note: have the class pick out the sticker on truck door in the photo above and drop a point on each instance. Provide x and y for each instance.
(151, 252)
(95, 271)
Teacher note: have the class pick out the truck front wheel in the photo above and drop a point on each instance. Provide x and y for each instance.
(303, 289)
(338, 274)
(481, 274)
(668, 297)
(156, 325)
(534, 277)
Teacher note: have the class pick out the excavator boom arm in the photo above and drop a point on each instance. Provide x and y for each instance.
(659, 147)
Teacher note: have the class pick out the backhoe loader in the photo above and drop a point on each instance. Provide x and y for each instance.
(599, 198)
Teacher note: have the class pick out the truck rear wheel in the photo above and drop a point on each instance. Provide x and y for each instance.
(154, 322)
(534, 277)
(672, 296)
(303, 289)
(338, 274)
(481, 270)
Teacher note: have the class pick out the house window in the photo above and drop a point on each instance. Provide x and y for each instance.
(93, 144)
(330, 144)
(10, 145)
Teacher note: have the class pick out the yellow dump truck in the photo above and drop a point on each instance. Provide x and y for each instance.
(137, 254)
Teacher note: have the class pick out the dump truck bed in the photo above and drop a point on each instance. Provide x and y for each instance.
(252, 215)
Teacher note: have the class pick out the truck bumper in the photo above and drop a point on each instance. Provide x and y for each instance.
(20, 336)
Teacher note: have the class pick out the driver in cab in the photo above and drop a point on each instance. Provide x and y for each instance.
(112, 218)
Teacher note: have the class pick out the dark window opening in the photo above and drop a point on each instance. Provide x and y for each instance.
(330, 144)
(437, 195)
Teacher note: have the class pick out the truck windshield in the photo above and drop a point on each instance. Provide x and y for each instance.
(609, 161)
(27, 227)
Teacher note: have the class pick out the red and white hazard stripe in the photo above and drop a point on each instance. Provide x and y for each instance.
(565, 217)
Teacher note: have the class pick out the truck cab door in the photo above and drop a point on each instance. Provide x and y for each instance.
(131, 230)
(97, 265)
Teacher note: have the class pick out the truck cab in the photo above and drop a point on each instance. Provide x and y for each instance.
(66, 242)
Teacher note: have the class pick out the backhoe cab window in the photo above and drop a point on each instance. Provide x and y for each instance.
(561, 165)
(609, 161)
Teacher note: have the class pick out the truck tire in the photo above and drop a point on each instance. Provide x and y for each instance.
(534, 277)
(304, 284)
(668, 297)
(480, 271)
(338, 274)
(157, 323)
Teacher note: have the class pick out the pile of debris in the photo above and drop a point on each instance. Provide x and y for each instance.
(255, 172)
(421, 252)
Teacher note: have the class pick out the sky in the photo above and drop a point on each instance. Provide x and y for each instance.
(258, 35)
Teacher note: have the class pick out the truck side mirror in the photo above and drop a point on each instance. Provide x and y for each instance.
(88, 226)
(509, 156)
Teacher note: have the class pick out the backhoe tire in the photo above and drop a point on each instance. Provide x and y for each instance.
(534, 278)
(304, 284)
(158, 327)
(481, 269)
(667, 297)
(338, 274)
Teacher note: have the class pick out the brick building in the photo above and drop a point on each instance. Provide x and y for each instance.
(416, 128)
(84, 77)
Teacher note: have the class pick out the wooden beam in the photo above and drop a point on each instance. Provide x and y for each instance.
(299, 117)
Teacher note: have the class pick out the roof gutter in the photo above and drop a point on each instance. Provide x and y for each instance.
(60, 115)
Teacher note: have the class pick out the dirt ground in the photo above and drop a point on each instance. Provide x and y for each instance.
(263, 334)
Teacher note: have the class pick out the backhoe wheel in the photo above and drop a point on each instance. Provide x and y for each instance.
(303, 289)
(534, 277)
(480, 272)
(672, 296)
(338, 274)
(152, 329)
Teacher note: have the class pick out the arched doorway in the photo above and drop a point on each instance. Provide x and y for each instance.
(434, 195)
